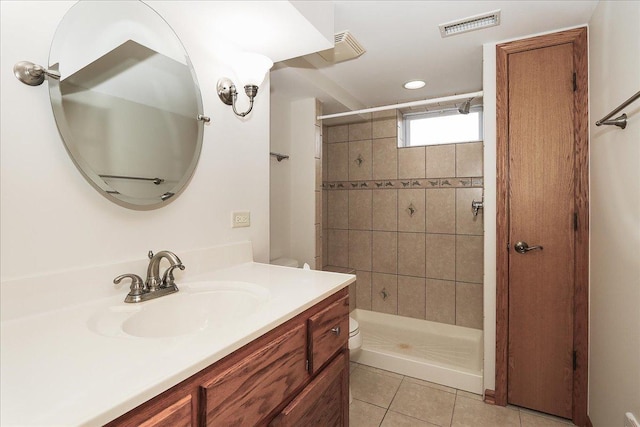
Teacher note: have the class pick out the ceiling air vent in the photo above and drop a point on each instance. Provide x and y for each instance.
(346, 47)
(478, 22)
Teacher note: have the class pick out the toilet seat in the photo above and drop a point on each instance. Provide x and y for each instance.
(354, 327)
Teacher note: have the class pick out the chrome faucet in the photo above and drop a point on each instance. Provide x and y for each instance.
(154, 286)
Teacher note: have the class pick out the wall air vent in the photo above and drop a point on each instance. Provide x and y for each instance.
(478, 22)
(346, 47)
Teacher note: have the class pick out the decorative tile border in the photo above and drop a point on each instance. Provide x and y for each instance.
(395, 184)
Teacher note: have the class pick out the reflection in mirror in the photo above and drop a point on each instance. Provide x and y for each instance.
(127, 103)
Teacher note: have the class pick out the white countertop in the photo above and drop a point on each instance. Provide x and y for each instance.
(56, 371)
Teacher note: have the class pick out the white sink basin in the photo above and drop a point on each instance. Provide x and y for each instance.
(196, 307)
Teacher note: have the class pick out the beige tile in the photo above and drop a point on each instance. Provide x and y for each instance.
(441, 301)
(474, 413)
(441, 211)
(353, 293)
(385, 158)
(385, 210)
(363, 414)
(338, 247)
(325, 135)
(318, 214)
(338, 162)
(384, 114)
(325, 162)
(360, 131)
(411, 254)
(469, 305)
(440, 251)
(360, 209)
(411, 297)
(424, 403)
(373, 387)
(325, 248)
(537, 419)
(395, 419)
(363, 290)
(469, 395)
(469, 258)
(385, 128)
(411, 162)
(338, 209)
(360, 160)
(338, 133)
(318, 174)
(469, 159)
(411, 210)
(360, 249)
(466, 222)
(430, 384)
(325, 209)
(381, 371)
(384, 293)
(385, 252)
(318, 241)
(441, 161)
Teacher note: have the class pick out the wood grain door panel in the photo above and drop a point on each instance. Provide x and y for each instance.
(541, 212)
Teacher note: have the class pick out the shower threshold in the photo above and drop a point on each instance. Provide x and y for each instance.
(444, 354)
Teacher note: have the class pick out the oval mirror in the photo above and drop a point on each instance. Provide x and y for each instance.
(128, 104)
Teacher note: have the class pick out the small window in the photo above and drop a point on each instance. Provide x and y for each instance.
(444, 127)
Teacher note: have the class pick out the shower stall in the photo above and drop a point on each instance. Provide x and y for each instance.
(404, 219)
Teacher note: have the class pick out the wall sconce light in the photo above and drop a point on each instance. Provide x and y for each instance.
(251, 69)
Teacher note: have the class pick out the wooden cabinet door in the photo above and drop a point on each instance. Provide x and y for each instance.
(328, 332)
(248, 391)
(324, 402)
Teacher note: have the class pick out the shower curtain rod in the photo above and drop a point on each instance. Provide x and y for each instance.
(405, 105)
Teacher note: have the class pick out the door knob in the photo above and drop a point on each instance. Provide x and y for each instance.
(523, 247)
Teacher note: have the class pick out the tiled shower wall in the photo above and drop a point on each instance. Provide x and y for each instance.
(402, 218)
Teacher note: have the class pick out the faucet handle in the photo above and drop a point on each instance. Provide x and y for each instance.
(137, 285)
(167, 278)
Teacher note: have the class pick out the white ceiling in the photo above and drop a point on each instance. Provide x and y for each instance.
(403, 42)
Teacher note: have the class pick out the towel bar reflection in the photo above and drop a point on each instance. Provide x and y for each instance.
(156, 181)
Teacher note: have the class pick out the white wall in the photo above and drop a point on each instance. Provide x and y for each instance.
(52, 220)
(280, 185)
(614, 69)
(303, 179)
(293, 180)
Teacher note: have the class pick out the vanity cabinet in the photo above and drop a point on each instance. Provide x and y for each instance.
(296, 374)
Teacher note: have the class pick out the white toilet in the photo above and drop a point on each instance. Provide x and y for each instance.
(355, 343)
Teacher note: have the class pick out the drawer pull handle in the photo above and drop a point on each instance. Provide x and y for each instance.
(336, 330)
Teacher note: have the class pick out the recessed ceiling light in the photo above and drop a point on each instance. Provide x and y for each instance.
(414, 84)
(478, 22)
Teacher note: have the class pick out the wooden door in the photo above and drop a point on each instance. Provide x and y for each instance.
(541, 213)
(542, 344)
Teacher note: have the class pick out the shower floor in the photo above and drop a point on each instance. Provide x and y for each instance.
(445, 354)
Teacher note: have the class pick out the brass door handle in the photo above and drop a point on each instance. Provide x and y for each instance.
(523, 247)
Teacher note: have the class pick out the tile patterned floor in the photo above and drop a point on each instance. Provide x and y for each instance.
(386, 399)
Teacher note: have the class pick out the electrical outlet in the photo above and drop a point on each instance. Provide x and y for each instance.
(240, 219)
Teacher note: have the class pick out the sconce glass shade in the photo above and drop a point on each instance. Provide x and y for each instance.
(251, 68)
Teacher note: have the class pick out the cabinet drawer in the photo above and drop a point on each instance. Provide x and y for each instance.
(176, 415)
(328, 332)
(245, 393)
